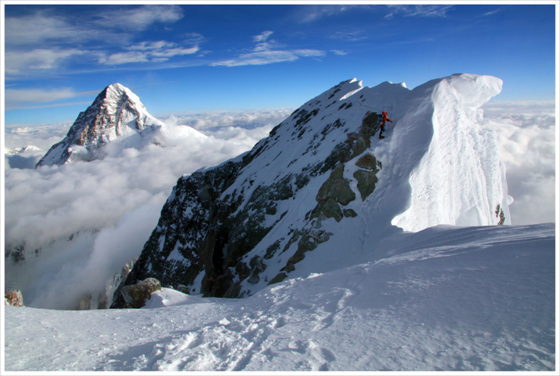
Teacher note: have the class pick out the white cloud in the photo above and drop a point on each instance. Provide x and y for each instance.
(18, 62)
(177, 51)
(526, 132)
(193, 38)
(141, 18)
(418, 10)
(51, 105)
(264, 43)
(85, 264)
(312, 13)
(259, 58)
(44, 40)
(269, 57)
(309, 53)
(492, 12)
(349, 36)
(42, 27)
(266, 52)
(339, 52)
(125, 58)
(148, 51)
(21, 98)
(263, 36)
(106, 24)
(111, 182)
(37, 95)
(152, 45)
(204, 121)
(41, 135)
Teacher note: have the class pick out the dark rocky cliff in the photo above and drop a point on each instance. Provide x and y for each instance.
(214, 218)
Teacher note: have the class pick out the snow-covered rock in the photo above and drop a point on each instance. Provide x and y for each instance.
(23, 149)
(116, 114)
(23, 157)
(322, 186)
(167, 297)
(136, 295)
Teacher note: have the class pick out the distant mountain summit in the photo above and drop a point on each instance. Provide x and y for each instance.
(115, 115)
(322, 189)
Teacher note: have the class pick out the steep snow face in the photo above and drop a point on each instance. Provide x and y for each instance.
(322, 186)
(461, 161)
(116, 114)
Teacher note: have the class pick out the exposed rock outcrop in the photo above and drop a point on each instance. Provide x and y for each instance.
(13, 298)
(135, 296)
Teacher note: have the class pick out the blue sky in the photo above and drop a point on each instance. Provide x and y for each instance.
(224, 57)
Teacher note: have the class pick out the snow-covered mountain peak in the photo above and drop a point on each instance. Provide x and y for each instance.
(117, 92)
(118, 89)
(115, 114)
(341, 91)
(323, 184)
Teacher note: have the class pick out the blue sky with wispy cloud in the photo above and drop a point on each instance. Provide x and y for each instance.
(203, 57)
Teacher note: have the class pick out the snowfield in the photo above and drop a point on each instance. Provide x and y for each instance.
(445, 298)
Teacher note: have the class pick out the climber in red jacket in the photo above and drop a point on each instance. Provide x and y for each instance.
(384, 119)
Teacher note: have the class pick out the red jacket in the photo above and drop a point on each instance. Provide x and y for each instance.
(385, 118)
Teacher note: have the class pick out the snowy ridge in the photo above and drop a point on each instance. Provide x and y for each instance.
(116, 114)
(323, 182)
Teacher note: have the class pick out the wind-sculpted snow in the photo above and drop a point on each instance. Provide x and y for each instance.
(461, 160)
(443, 299)
(323, 182)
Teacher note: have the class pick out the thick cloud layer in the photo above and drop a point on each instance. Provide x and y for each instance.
(526, 133)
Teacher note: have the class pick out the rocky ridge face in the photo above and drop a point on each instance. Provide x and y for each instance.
(311, 194)
(116, 114)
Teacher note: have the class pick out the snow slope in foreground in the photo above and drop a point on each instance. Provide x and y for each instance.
(446, 298)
